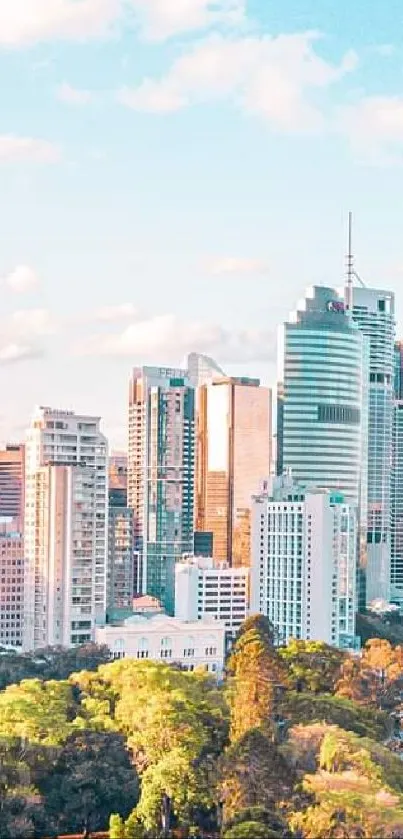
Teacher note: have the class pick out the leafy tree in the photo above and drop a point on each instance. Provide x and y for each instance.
(312, 665)
(254, 773)
(41, 712)
(92, 777)
(49, 663)
(376, 678)
(257, 675)
(248, 829)
(336, 710)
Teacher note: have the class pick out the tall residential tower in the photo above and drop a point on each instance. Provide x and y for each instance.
(161, 474)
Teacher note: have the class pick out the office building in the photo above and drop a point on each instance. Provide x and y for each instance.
(168, 640)
(11, 583)
(398, 375)
(373, 311)
(161, 474)
(233, 458)
(66, 528)
(303, 573)
(202, 590)
(322, 415)
(121, 584)
(118, 471)
(12, 482)
(396, 500)
(202, 369)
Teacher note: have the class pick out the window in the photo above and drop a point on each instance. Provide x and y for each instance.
(166, 648)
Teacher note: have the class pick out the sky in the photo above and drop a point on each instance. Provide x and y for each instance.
(175, 173)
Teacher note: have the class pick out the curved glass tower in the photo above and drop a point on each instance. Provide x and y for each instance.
(322, 406)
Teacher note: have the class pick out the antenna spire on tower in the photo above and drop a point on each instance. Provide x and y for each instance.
(350, 266)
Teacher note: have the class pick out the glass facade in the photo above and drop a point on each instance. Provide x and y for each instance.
(233, 459)
(373, 311)
(161, 475)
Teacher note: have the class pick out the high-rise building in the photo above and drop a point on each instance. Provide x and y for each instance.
(202, 369)
(304, 562)
(322, 411)
(161, 474)
(66, 528)
(118, 470)
(202, 590)
(11, 583)
(233, 458)
(396, 500)
(12, 482)
(121, 582)
(373, 311)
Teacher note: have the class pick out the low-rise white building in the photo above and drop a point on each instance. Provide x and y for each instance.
(161, 638)
(202, 590)
(304, 555)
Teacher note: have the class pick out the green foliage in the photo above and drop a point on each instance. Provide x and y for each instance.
(336, 710)
(116, 827)
(39, 711)
(257, 673)
(246, 830)
(49, 663)
(312, 665)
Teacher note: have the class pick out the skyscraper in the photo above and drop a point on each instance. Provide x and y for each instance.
(374, 313)
(322, 385)
(122, 581)
(304, 562)
(202, 369)
(11, 583)
(233, 458)
(66, 526)
(161, 474)
(396, 535)
(12, 481)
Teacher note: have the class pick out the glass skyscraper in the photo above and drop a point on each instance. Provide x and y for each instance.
(322, 411)
(161, 474)
(396, 500)
(373, 311)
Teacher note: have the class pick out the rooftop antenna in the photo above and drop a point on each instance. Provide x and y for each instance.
(351, 272)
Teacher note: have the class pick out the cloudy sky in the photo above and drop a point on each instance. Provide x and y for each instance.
(173, 173)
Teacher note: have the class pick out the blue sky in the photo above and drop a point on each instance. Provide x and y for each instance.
(174, 173)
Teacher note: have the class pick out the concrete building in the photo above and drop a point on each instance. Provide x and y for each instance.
(374, 313)
(396, 559)
(66, 528)
(12, 478)
(118, 471)
(11, 584)
(121, 557)
(202, 369)
(233, 458)
(168, 640)
(304, 562)
(161, 474)
(202, 590)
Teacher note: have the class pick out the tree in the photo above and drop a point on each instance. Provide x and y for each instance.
(257, 676)
(336, 710)
(376, 678)
(254, 773)
(49, 663)
(246, 830)
(41, 712)
(92, 778)
(312, 665)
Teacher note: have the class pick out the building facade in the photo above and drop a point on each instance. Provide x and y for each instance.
(12, 478)
(161, 474)
(396, 542)
(233, 458)
(374, 313)
(303, 574)
(202, 369)
(66, 528)
(11, 584)
(168, 640)
(202, 590)
(121, 584)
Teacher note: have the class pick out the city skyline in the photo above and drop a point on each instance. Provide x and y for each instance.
(138, 178)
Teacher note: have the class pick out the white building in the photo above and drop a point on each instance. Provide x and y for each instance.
(221, 593)
(66, 526)
(304, 562)
(397, 506)
(161, 638)
(374, 313)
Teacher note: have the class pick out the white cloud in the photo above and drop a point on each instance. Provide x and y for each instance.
(26, 22)
(22, 279)
(162, 19)
(27, 149)
(32, 323)
(374, 127)
(165, 337)
(236, 265)
(270, 76)
(74, 96)
(13, 352)
(112, 313)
